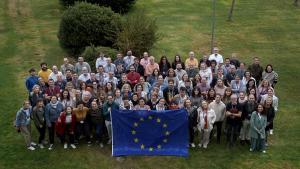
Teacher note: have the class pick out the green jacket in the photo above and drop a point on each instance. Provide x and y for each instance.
(107, 108)
(257, 126)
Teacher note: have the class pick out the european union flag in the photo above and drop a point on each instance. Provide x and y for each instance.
(142, 132)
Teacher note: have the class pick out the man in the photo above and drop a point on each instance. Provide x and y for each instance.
(191, 65)
(151, 66)
(220, 109)
(160, 85)
(248, 109)
(23, 124)
(181, 97)
(237, 85)
(233, 114)
(107, 108)
(80, 64)
(241, 70)
(138, 67)
(44, 72)
(101, 75)
(133, 77)
(216, 56)
(170, 91)
(179, 71)
(256, 70)
(92, 79)
(226, 67)
(101, 60)
(85, 76)
(109, 67)
(66, 66)
(123, 81)
(234, 60)
(119, 60)
(31, 80)
(55, 73)
(111, 79)
(96, 121)
(129, 59)
(230, 75)
(69, 75)
(52, 90)
(145, 60)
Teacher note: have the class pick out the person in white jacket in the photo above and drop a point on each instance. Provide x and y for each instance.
(206, 119)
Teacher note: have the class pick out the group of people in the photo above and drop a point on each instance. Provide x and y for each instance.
(220, 96)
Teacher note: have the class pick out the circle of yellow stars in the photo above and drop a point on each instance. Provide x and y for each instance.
(151, 148)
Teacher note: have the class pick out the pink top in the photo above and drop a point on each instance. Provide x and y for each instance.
(150, 68)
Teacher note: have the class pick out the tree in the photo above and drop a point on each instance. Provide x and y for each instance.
(231, 10)
(85, 24)
(139, 33)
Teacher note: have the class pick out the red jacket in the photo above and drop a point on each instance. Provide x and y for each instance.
(60, 125)
(133, 78)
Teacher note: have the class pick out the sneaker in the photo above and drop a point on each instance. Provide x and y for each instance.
(89, 143)
(251, 150)
(199, 145)
(50, 147)
(33, 144)
(109, 141)
(65, 146)
(31, 148)
(264, 151)
(41, 146)
(271, 132)
(205, 146)
(120, 159)
(101, 145)
(193, 145)
(73, 146)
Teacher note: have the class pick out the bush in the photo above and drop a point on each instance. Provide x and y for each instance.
(119, 6)
(86, 24)
(91, 54)
(139, 33)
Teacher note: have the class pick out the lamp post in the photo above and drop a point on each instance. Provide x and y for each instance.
(213, 25)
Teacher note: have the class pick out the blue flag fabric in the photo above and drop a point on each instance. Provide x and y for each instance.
(142, 132)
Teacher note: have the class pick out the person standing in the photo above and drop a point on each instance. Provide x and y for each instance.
(206, 119)
(80, 64)
(66, 66)
(44, 72)
(82, 125)
(216, 56)
(52, 112)
(258, 123)
(256, 70)
(220, 109)
(31, 80)
(192, 114)
(23, 124)
(96, 117)
(38, 116)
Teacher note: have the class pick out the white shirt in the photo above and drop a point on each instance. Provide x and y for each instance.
(206, 74)
(54, 76)
(101, 61)
(84, 78)
(218, 58)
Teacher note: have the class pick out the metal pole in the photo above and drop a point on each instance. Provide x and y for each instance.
(213, 25)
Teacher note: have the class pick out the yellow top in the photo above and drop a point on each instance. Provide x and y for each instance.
(45, 74)
(191, 63)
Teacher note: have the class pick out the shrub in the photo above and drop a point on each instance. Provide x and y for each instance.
(119, 6)
(139, 33)
(86, 24)
(91, 54)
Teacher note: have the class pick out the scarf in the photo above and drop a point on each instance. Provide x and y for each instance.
(54, 105)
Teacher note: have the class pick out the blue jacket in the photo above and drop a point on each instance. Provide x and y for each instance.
(22, 118)
(30, 82)
(52, 114)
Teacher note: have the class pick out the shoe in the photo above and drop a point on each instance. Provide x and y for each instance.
(41, 146)
(73, 146)
(33, 144)
(205, 146)
(266, 144)
(89, 143)
(65, 146)
(101, 145)
(199, 145)
(120, 159)
(264, 151)
(109, 141)
(50, 147)
(251, 150)
(271, 132)
(193, 145)
(31, 148)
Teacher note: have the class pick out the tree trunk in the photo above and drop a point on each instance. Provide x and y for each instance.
(231, 10)
(296, 3)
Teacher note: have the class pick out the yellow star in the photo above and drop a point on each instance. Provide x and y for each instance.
(165, 125)
(136, 140)
(159, 146)
(167, 133)
(150, 149)
(150, 117)
(158, 120)
(141, 119)
(165, 140)
(133, 132)
(142, 146)
(136, 124)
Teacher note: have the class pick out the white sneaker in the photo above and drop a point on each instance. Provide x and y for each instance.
(264, 151)
(65, 146)
(271, 132)
(199, 145)
(193, 145)
(101, 145)
(250, 150)
(73, 146)
(50, 147)
(109, 141)
(41, 146)
(33, 143)
(205, 146)
(31, 148)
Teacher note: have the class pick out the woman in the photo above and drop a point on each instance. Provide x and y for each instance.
(140, 92)
(71, 90)
(258, 123)
(211, 95)
(126, 104)
(95, 90)
(146, 86)
(220, 87)
(250, 85)
(117, 96)
(247, 77)
(109, 88)
(126, 90)
(270, 75)
(205, 72)
(171, 75)
(263, 88)
(35, 95)
(192, 114)
(66, 99)
(142, 105)
(135, 99)
(164, 65)
(65, 125)
(197, 81)
(153, 100)
(206, 119)
(177, 60)
(52, 112)
(153, 77)
(270, 113)
(161, 105)
(187, 83)
(196, 97)
(38, 116)
(226, 96)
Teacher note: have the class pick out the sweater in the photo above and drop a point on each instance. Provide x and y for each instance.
(219, 109)
(51, 113)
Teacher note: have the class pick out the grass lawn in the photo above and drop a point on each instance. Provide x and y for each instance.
(264, 28)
